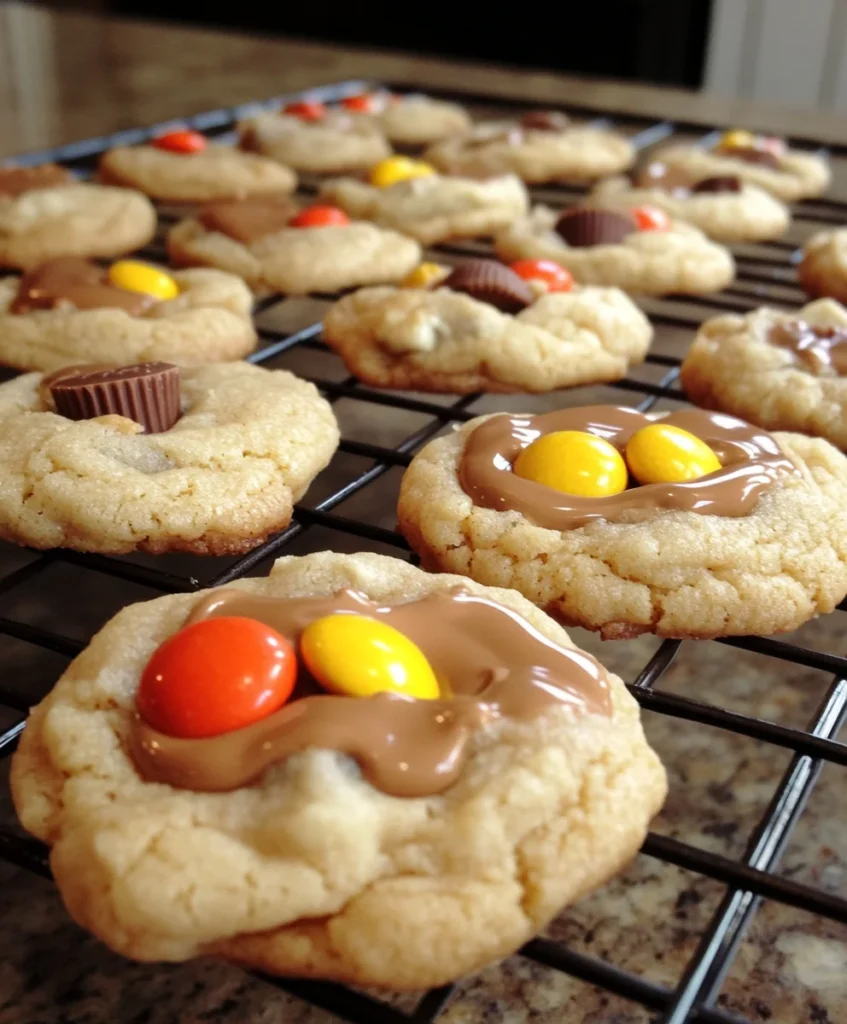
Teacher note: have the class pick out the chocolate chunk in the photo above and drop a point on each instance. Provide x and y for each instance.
(588, 226)
(16, 180)
(75, 283)
(753, 155)
(491, 282)
(247, 220)
(720, 183)
(146, 392)
(546, 121)
(659, 175)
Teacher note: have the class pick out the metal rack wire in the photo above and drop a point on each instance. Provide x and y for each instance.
(765, 274)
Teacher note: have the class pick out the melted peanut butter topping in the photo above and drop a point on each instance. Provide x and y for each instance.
(822, 350)
(490, 664)
(74, 283)
(751, 461)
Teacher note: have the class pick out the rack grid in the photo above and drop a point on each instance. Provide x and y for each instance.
(765, 274)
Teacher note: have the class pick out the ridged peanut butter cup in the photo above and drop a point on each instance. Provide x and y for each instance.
(145, 392)
(587, 226)
(491, 282)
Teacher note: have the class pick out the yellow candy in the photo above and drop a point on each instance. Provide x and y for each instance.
(399, 168)
(134, 276)
(661, 454)
(738, 138)
(358, 656)
(424, 275)
(574, 462)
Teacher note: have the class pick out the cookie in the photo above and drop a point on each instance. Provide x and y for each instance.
(410, 120)
(248, 443)
(67, 311)
(783, 371)
(447, 340)
(535, 153)
(434, 208)
(676, 259)
(823, 268)
(256, 240)
(335, 144)
(312, 867)
(45, 213)
(788, 174)
(756, 547)
(723, 208)
(202, 176)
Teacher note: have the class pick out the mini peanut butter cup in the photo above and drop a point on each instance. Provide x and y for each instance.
(546, 121)
(588, 226)
(14, 181)
(753, 155)
(720, 183)
(145, 392)
(491, 282)
(247, 220)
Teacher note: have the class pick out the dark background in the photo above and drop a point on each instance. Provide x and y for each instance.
(659, 41)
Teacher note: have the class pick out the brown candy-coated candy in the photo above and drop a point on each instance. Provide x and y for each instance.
(146, 392)
(588, 226)
(753, 155)
(16, 180)
(720, 183)
(78, 284)
(247, 220)
(546, 120)
(491, 282)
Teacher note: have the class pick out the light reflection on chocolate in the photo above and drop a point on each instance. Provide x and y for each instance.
(751, 459)
(491, 662)
(822, 349)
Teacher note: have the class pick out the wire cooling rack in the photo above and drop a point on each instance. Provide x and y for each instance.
(765, 274)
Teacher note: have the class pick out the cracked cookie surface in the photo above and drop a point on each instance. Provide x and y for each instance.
(337, 143)
(680, 260)
(310, 871)
(73, 220)
(434, 208)
(747, 216)
(248, 444)
(503, 147)
(300, 260)
(675, 573)
(733, 367)
(443, 340)
(799, 176)
(823, 267)
(209, 321)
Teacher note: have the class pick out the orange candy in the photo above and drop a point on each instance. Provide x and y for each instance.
(320, 217)
(651, 218)
(556, 278)
(215, 676)
(183, 140)
(364, 103)
(306, 110)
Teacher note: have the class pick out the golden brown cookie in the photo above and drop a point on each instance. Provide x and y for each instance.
(783, 371)
(443, 340)
(311, 870)
(337, 143)
(209, 321)
(224, 476)
(216, 172)
(76, 219)
(434, 208)
(653, 558)
(414, 119)
(823, 268)
(535, 154)
(679, 259)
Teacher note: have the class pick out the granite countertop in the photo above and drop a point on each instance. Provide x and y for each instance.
(68, 76)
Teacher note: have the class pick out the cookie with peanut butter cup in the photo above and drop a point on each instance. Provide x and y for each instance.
(277, 247)
(152, 457)
(640, 250)
(542, 146)
(688, 524)
(45, 213)
(483, 326)
(782, 371)
(182, 166)
(339, 766)
(69, 310)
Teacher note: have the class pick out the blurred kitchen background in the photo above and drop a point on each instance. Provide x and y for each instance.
(786, 52)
